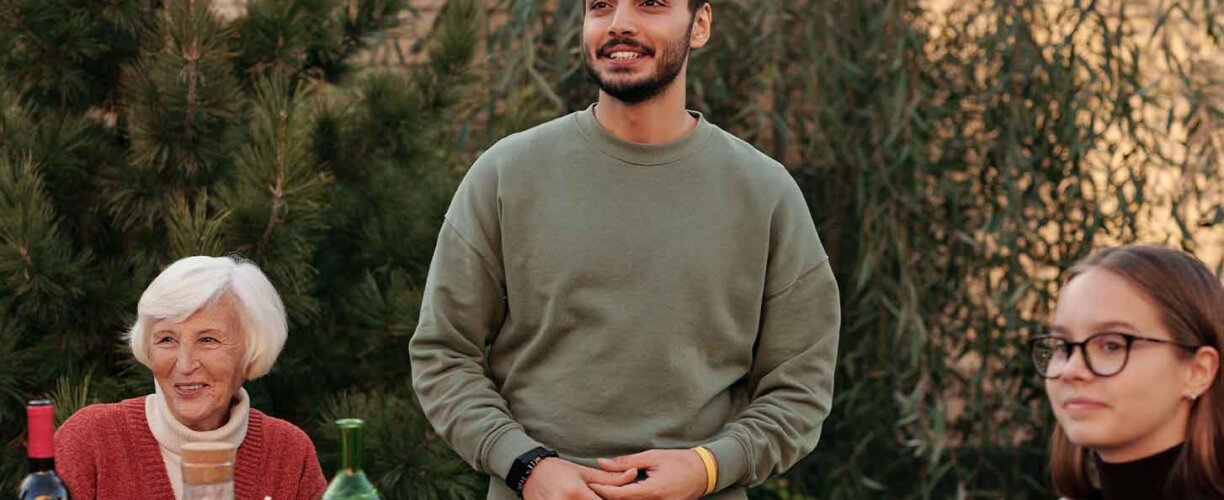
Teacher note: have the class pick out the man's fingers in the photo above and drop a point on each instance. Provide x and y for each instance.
(590, 494)
(644, 460)
(612, 465)
(595, 476)
(635, 490)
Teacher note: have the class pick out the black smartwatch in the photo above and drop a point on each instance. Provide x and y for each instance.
(523, 465)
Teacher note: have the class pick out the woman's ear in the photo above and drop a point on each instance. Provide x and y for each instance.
(1204, 369)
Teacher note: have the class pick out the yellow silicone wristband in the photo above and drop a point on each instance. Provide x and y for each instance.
(711, 469)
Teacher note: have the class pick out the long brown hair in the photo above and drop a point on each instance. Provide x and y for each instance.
(1191, 303)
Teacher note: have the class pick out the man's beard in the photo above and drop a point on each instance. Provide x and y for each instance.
(670, 62)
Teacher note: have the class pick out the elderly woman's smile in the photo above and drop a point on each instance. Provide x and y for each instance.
(198, 364)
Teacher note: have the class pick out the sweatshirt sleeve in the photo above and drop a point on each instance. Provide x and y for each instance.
(791, 380)
(463, 308)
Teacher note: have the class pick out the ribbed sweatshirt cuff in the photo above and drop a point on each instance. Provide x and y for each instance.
(507, 447)
(732, 461)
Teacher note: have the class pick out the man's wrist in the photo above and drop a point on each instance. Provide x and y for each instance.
(524, 465)
(711, 467)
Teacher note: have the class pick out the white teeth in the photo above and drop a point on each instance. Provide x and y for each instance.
(624, 55)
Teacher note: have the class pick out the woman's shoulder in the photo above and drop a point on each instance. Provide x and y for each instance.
(101, 434)
(280, 433)
(91, 417)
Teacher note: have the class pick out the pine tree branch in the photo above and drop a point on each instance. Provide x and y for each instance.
(192, 56)
(14, 18)
(259, 67)
(278, 189)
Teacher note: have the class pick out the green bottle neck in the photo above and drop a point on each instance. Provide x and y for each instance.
(350, 447)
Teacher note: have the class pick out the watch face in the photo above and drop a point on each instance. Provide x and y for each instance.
(523, 466)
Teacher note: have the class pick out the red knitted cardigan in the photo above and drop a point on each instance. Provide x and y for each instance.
(106, 451)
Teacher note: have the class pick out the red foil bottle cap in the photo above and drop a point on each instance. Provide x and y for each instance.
(42, 429)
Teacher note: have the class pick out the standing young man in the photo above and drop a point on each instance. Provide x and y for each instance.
(628, 302)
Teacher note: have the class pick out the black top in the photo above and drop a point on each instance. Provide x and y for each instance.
(1142, 479)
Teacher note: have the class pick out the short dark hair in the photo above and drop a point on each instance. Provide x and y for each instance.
(696, 4)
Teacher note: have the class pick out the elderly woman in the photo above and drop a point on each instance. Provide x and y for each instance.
(204, 326)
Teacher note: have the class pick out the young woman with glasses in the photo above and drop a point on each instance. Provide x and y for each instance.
(1132, 368)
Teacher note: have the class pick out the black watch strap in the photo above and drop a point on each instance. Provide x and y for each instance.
(523, 465)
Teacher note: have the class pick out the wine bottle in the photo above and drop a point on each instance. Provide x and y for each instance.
(208, 471)
(350, 482)
(42, 483)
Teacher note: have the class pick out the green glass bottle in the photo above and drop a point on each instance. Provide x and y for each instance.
(350, 482)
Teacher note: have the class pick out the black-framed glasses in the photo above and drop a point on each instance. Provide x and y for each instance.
(1105, 354)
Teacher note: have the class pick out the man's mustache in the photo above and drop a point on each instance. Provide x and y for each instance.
(606, 48)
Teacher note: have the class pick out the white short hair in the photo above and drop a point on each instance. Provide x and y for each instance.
(193, 283)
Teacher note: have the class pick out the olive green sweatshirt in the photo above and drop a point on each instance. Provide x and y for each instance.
(601, 297)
